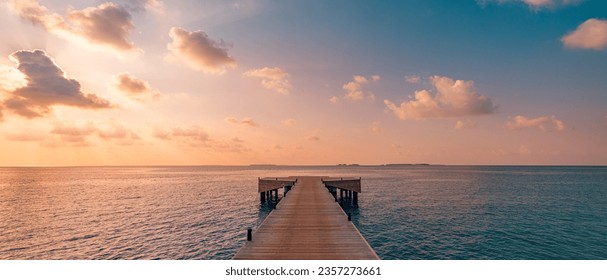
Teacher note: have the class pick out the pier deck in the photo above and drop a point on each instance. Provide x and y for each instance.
(307, 224)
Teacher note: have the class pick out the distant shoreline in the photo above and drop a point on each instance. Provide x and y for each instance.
(310, 165)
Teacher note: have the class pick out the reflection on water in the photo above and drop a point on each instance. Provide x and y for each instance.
(410, 212)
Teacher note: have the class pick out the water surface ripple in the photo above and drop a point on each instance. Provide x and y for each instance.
(405, 212)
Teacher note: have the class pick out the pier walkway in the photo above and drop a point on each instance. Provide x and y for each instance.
(308, 223)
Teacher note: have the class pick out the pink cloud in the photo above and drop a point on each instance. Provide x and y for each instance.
(354, 89)
(200, 52)
(245, 121)
(46, 86)
(289, 122)
(107, 24)
(464, 124)
(134, 87)
(450, 98)
(544, 123)
(272, 78)
(535, 4)
(592, 34)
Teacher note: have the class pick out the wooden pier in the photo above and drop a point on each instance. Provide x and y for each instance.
(308, 223)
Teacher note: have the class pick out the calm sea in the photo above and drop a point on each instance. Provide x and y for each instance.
(406, 212)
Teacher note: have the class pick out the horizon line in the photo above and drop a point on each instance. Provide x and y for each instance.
(303, 165)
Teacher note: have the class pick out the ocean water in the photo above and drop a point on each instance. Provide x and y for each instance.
(405, 212)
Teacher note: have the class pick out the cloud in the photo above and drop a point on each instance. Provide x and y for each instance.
(224, 146)
(544, 123)
(156, 6)
(313, 138)
(592, 34)
(354, 89)
(249, 122)
(46, 86)
(535, 4)
(200, 52)
(289, 122)
(376, 127)
(107, 24)
(71, 129)
(194, 133)
(245, 121)
(134, 87)
(116, 131)
(524, 150)
(413, 79)
(538, 3)
(25, 137)
(161, 134)
(71, 133)
(193, 136)
(450, 98)
(464, 124)
(11, 78)
(272, 78)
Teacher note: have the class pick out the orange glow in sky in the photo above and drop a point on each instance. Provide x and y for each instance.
(144, 82)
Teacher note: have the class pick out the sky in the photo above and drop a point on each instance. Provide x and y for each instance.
(151, 82)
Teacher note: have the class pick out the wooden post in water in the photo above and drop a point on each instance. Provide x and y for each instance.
(249, 234)
(355, 198)
(262, 197)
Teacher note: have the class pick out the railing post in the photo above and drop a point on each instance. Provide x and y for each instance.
(349, 216)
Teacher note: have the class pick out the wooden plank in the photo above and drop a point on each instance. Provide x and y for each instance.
(268, 184)
(351, 184)
(307, 224)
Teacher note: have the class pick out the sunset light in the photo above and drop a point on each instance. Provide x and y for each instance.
(139, 82)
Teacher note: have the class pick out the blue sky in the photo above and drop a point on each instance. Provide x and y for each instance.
(459, 82)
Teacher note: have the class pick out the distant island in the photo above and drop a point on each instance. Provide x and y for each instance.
(404, 164)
